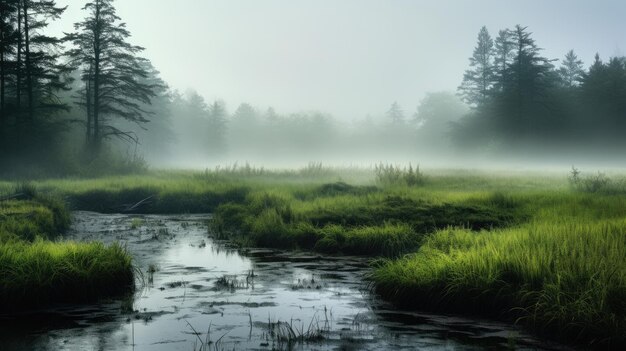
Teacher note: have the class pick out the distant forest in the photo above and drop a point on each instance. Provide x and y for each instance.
(523, 100)
(88, 103)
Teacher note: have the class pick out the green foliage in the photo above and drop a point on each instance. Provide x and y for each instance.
(478, 81)
(335, 189)
(338, 217)
(44, 272)
(29, 214)
(36, 272)
(524, 105)
(596, 183)
(565, 278)
(388, 174)
(136, 223)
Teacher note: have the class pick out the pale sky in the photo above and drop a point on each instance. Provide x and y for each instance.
(346, 57)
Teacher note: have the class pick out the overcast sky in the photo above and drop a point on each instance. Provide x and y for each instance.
(346, 57)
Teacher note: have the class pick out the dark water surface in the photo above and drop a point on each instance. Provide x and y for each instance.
(204, 293)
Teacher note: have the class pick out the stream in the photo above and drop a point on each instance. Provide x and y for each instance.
(199, 293)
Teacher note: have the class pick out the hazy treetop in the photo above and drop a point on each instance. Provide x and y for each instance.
(349, 57)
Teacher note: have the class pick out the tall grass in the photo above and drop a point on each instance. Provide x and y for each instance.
(43, 272)
(340, 218)
(388, 174)
(564, 279)
(35, 271)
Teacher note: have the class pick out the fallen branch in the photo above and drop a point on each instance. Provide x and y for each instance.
(11, 197)
(138, 204)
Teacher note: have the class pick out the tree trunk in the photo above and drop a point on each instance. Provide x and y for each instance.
(2, 93)
(27, 58)
(96, 80)
(88, 102)
(18, 68)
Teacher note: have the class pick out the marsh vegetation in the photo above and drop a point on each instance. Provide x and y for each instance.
(529, 248)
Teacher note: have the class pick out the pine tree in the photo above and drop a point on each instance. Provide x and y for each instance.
(42, 73)
(571, 71)
(8, 40)
(114, 76)
(29, 66)
(503, 57)
(245, 115)
(217, 127)
(524, 91)
(395, 114)
(479, 79)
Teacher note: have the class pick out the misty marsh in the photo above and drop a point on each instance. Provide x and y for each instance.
(312, 175)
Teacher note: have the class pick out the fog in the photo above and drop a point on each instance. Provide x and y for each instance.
(348, 58)
(350, 83)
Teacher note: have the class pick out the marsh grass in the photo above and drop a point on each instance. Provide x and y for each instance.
(599, 183)
(389, 174)
(35, 271)
(43, 272)
(31, 214)
(136, 223)
(564, 279)
(527, 247)
(337, 218)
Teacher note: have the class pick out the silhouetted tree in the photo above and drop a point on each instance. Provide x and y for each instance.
(395, 114)
(29, 66)
(245, 115)
(156, 137)
(217, 128)
(521, 107)
(114, 76)
(571, 71)
(523, 98)
(479, 79)
(435, 117)
(42, 72)
(503, 57)
(603, 91)
(8, 40)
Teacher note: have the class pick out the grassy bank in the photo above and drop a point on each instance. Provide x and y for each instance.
(36, 271)
(362, 220)
(562, 273)
(545, 252)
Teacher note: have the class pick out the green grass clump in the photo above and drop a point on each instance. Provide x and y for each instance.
(34, 215)
(43, 272)
(564, 279)
(364, 220)
(35, 271)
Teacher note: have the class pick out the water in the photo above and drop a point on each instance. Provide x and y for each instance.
(196, 291)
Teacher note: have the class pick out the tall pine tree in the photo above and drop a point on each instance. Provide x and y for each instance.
(571, 71)
(43, 75)
(115, 77)
(503, 57)
(479, 79)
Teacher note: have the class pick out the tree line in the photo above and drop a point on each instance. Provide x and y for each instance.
(203, 132)
(67, 101)
(42, 76)
(523, 101)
